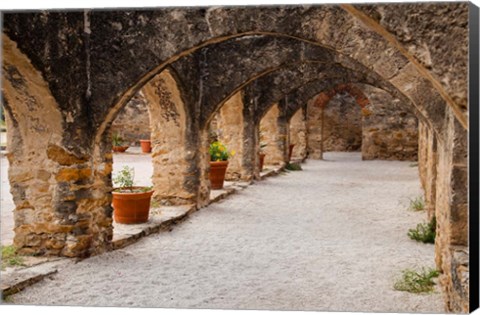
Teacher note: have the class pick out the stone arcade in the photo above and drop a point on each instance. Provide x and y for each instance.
(67, 75)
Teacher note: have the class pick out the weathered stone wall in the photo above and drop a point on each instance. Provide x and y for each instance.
(451, 210)
(229, 126)
(314, 130)
(389, 128)
(51, 187)
(273, 136)
(133, 121)
(427, 166)
(342, 130)
(171, 166)
(298, 135)
(79, 69)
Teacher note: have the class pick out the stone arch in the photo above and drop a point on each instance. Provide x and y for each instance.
(324, 97)
(43, 173)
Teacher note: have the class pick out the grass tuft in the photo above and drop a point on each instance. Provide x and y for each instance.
(416, 281)
(10, 257)
(293, 167)
(424, 232)
(417, 204)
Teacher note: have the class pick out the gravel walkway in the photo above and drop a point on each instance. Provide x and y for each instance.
(329, 238)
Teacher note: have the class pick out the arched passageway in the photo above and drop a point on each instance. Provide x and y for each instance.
(83, 82)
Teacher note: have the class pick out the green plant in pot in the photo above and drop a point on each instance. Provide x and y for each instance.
(131, 204)
(219, 156)
(117, 143)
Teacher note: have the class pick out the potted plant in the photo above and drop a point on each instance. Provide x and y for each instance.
(117, 143)
(218, 163)
(131, 204)
(146, 145)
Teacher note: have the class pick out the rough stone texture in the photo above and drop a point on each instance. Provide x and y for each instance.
(417, 27)
(389, 128)
(133, 121)
(230, 132)
(342, 129)
(314, 130)
(427, 166)
(383, 127)
(49, 182)
(88, 64)
(274, 139)
(451, 211)
(172, 163)
(298, 135)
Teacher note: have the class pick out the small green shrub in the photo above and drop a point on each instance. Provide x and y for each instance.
(413, 164)
(10, 257)
(117, 140)
(293, 167)
(416, 281)
(125, 177)
(417, 204)
(424, 232)
(219, 152)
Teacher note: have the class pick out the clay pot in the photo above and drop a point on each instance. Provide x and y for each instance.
(131, 208)
(119, 148)
(217, 174)
(146, 146)
(290, 150)
(261, 158)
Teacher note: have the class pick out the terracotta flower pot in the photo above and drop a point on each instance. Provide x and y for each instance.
(290, 150)
(146, 146)
(119, 148)
(261, 158)
(217, 174)
(131, 208)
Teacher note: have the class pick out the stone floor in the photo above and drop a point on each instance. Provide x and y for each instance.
(329, 238)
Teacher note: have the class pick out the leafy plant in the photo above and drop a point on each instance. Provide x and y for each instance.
(416, 281)
(125, 177)
(117, 140)
(10, 257)
(125, 181)
(219, 152)
(417, 204)
(293, 167)
(424, 232)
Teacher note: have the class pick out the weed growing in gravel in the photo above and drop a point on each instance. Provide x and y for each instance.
(416, 281)
(413, 164)
(293, 167)
(10, 257)
(424, 232)
(417, 204)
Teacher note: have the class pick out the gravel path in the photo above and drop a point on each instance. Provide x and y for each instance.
(329, 238)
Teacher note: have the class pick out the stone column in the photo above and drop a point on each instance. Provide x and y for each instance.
(230, 126)
(314, 130)
(451, 210)
(274, 129)
(171, 159)
(57, 210)
(298, 135)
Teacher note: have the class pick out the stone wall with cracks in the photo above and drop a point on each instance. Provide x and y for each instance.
(80, 65)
